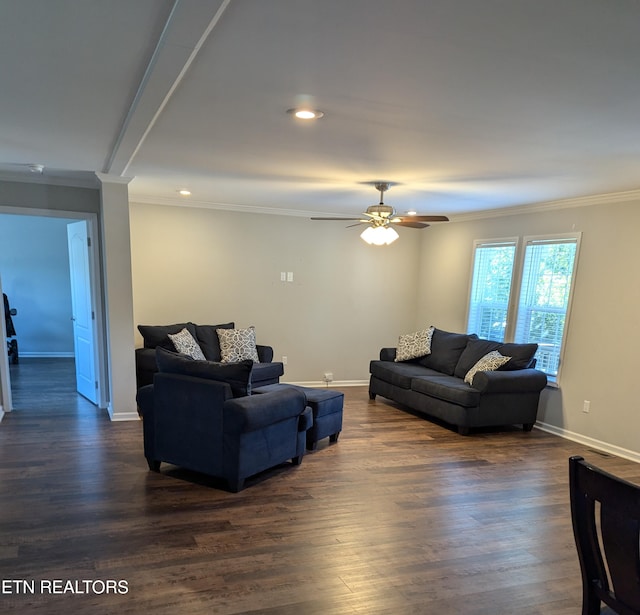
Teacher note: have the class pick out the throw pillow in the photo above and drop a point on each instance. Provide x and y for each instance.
(236, 375)
(238, 345)
(521, 355)
(489, 363)
(414, 345)
(446, 348)
(473, 352)
(208, 339)
(186, 344)
(158, 335)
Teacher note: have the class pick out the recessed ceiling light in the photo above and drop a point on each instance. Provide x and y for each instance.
(184, 192)
(304, 113)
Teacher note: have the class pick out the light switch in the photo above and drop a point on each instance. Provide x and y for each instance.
(289, 276)
(283, 276)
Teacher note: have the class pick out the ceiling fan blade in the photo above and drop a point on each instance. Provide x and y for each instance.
(411, 224)
(358, 223)
(347, 219)
(426, 218)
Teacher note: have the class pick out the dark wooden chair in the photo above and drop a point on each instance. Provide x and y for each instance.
(611, 574)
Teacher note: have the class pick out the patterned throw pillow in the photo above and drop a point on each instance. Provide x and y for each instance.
(414, 345)
(238, 345)
(489, 363)
(186, 344)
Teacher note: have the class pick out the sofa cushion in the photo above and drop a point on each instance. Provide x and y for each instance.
(414, 345)
(446, 349)
(207, 337)
(238, 345)
(158, 335)
(447, 388)
(398, 374)
(236, 375)
(521, 355)
(266, 371)
(474, 351)
(489, 363)
(185, 343)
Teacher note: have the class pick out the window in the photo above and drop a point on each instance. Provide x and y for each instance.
(491, 288)
(524, 296)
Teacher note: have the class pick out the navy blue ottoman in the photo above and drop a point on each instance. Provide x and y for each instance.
(326, 406)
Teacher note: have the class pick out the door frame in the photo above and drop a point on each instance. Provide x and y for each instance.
(97, 296)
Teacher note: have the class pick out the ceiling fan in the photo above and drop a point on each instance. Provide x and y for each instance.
(380, 217)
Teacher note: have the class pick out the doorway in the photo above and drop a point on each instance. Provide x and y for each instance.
(36, 262)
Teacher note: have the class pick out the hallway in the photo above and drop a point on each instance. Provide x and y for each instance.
(47, 385)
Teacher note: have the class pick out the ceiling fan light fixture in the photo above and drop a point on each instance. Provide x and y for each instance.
(379, 235)
(304, 113)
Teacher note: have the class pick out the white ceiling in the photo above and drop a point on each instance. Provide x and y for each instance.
(463, 105)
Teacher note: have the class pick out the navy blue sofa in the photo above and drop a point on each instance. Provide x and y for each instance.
(434, 385)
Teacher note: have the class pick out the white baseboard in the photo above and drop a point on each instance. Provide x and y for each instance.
(336, 384)
(131, 415)
(590, 442)
(124, 416)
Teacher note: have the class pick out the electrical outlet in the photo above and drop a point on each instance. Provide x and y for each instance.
(328, 377)
(586, 406)
(284, 360)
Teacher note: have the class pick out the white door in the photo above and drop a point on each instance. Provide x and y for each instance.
(84, 336)
(5, 376)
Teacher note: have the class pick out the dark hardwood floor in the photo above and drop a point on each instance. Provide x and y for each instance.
(401, 516)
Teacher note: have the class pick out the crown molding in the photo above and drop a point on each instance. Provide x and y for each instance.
(109, 178)
(248, 209)
(584, 201)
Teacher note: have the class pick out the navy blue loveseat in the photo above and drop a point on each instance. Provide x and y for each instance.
(266, 371)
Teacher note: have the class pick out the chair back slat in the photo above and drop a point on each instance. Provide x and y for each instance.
(619, 523)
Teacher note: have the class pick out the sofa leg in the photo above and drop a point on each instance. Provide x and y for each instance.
(235, 485)
(154, 465)
(296, 461)
(372, 396)
(463, 430)
(312, 445)
(527, 426)
(334, 437)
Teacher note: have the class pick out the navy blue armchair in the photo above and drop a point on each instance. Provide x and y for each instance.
(197, 424)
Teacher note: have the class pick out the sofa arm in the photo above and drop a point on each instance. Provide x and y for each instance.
(305, 422)
(265, 353)
(515, 381)
(244, 414)
(388, 354)
(145, 366)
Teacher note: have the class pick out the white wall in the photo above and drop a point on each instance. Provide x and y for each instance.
(347, 300)
(601, 358)
(34, 264)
